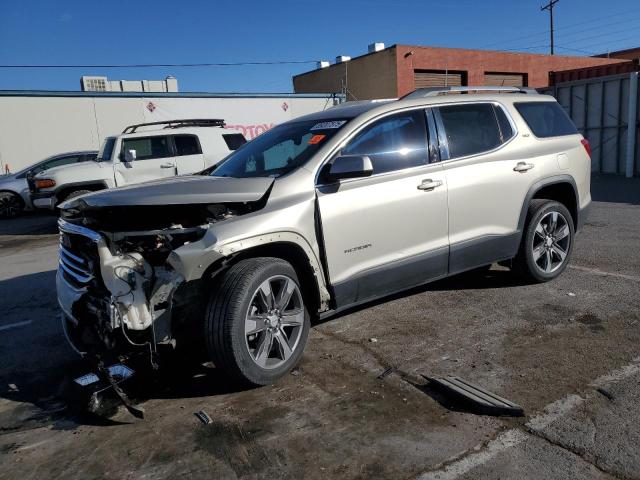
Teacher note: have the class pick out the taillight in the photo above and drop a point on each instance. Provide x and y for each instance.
(587, 147)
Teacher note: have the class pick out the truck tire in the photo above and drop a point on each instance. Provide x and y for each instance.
(256, 324)
(547, 241)
(11, 205)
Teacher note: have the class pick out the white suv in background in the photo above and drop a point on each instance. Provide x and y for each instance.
(144, 152)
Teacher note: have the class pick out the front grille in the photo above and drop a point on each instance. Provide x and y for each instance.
(79, 258)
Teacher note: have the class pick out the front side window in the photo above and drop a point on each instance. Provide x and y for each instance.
(393, 143)
(546, 119)
(279, 150)
(187, 145)
(470, 129)
(147, 147)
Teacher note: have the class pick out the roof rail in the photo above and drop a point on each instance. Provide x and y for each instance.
(192, 122)
(435, 91)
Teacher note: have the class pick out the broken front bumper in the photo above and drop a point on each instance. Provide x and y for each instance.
(111, 299)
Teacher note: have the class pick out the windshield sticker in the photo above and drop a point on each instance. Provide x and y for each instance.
(316, 139)
(326, 125)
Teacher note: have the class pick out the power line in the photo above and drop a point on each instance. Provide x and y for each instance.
(569, 26)
(549, 6)
(165, 65)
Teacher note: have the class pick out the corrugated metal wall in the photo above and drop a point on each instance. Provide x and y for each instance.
(600, 108)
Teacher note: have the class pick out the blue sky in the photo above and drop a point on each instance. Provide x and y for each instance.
(163, 31)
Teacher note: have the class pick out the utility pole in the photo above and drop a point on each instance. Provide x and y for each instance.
(549, 6)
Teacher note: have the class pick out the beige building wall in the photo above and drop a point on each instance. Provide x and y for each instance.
(366, 77)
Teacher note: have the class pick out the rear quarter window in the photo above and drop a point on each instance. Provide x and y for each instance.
(546, 119)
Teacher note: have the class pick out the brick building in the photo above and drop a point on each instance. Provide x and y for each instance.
(399, 69)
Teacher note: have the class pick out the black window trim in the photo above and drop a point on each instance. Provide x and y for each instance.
(443, 138)
(172, 152)
(174, 148)
(515, 105)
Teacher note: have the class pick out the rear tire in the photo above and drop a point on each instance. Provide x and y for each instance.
(11, 205)
(256, 324)
(547, 241)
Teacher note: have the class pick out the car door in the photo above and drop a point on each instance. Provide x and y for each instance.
(188, 154)
(154, 160)
(488, 178)
(386, 232)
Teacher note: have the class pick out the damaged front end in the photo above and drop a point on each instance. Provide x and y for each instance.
(121, 282)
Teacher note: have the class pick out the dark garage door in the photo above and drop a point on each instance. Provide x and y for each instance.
(505, 79)
(439, 78)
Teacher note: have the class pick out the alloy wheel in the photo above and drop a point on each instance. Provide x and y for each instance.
(551, 242)
(274, 322)
(9, 206)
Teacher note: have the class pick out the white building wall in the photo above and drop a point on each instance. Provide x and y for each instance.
(35, 127)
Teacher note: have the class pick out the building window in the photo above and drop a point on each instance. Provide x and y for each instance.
(506, 79)
(439, 78)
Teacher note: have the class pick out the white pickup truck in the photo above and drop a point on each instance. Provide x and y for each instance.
(144, 152)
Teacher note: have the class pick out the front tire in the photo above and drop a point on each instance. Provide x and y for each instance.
(11, 205)
(547, 241)
(256, 325)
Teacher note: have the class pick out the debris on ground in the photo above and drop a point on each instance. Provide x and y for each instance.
(476, 398)
(386, 373)
(203, 417)
(373, 340)
(571, 294)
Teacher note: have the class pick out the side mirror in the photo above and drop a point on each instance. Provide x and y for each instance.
(129, 155)
(349, 166)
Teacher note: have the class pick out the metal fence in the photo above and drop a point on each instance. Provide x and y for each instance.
(606, 112)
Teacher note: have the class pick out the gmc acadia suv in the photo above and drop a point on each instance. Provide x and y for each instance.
(322, 213)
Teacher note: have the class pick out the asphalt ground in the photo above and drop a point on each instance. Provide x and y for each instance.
(359, 405)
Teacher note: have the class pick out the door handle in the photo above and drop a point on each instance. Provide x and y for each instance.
(429, 184)
(523, 167)
(167, 165)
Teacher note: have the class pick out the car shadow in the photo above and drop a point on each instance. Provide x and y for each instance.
(38, 367)
(496, 277)
(30, 223)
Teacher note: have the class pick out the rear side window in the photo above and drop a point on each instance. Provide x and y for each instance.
(187, 145)
(470, 129)
(234, 140)
(147, 147)
(393, 143)
(546, 119)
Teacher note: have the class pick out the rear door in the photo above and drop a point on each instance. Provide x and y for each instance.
(154, 159)
(486, 183)
(386, 232)
(188, 154)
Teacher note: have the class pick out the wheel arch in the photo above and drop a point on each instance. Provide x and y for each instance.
(300, 257)
(63, 190)
(561, 188)
(12, 192)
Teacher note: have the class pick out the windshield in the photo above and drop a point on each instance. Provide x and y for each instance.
(107, 149)
(279, 150)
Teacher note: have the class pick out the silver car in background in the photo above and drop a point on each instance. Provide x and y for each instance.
(14, 187)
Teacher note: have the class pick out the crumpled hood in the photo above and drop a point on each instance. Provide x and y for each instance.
(185, 190)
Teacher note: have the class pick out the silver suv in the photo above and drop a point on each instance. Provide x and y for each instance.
(322, 213)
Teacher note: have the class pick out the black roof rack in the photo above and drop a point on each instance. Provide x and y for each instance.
(191, 122)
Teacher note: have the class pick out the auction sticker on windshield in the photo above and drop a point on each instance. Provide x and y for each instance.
(327, 125)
